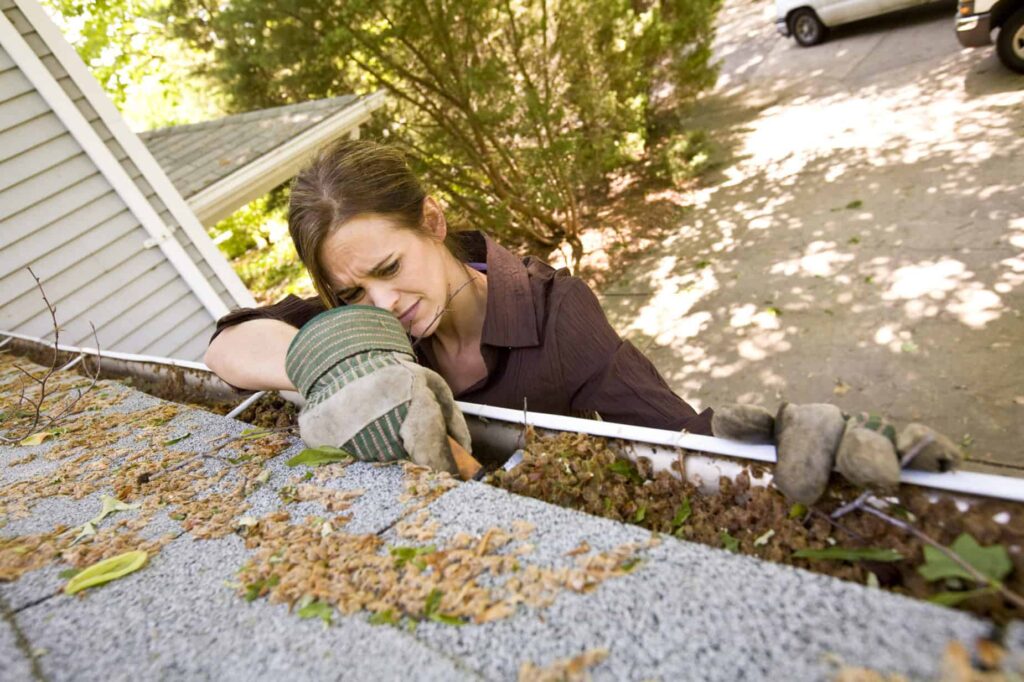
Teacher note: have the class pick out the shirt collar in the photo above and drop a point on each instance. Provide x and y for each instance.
(511, 319)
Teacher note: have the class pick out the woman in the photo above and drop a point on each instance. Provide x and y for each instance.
(500, 330)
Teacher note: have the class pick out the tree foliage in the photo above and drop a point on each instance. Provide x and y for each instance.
(515, 110)
(141, 66)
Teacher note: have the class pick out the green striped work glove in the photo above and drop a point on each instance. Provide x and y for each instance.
(366, 394)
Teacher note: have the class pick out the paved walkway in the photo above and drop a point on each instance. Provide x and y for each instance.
(865, 244)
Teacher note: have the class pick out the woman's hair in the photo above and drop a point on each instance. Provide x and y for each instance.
(346, 179)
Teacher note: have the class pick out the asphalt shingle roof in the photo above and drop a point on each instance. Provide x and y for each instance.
(199, 155)
(684, 611)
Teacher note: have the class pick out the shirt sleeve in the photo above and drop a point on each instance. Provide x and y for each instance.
(605, 374)
(291, 310)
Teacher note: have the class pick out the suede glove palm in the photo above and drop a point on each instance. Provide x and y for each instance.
(366, 394)
(812, 439)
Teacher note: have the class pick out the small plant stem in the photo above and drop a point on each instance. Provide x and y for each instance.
(524, 433)
(81, 393)
(850, 506)
(979, 577)
(835, 524)
(913, 452)
(38, 424)
(211, 454)
(443, 310)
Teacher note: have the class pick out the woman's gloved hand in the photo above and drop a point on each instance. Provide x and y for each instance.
(366, 394)
(812, 439)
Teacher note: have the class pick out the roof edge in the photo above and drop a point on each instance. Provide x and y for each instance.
(262, 174)
(255, 114)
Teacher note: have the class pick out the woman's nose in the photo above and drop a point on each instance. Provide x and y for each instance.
(383, 296)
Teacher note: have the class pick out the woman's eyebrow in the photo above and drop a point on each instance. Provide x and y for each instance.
(378, 269)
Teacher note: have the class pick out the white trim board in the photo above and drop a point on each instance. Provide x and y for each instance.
(261, 175)
(98, 152)
(137, 152)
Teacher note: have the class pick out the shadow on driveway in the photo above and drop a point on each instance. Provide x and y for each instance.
(866, 248)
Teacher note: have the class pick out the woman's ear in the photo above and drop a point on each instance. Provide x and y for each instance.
(433, 219)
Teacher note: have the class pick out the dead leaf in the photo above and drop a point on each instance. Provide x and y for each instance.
(956, 663)
(111, 505)
(88, 530)
(107, 570)
(853, 674)
(36, 438)
(573, 669)
(502, 609)
(990, 654)
(581, 548)
(840, 388)
(522, 529)
(481, 548)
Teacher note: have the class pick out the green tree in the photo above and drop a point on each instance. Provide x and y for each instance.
(146, 71)
(514, 110)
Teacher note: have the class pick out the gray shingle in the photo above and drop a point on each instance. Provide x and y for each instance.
(198, 155)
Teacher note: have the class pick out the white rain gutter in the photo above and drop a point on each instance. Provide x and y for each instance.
(110, 354)
(661, 447)
(112, 363)
(499, 430)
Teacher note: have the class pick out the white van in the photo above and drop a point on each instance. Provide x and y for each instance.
(808, 21)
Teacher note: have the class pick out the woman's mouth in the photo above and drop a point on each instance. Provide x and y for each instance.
(407, 317)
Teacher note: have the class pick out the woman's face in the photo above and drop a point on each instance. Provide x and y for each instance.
(370, 261)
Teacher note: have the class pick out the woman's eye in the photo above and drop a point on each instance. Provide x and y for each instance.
(390, 270)
(350, 295)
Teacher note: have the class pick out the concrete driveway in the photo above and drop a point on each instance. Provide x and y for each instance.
(865, 243)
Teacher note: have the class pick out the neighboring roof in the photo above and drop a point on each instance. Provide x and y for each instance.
(85, 205)
(220, 165)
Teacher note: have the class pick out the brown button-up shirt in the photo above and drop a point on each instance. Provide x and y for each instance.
(546, 340)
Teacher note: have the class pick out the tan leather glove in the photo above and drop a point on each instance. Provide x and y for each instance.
(366, 394)
(812, 439)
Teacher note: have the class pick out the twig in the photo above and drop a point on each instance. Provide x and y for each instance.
(81, 393)
(37, 404)
(442, 311)
(524, 433)
(835, 524)
(28, 374)
(913, 452)
(212, 454)
(850, 506)
(861, 503)
(977, 575)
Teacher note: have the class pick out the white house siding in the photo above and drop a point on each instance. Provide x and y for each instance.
(60, 216)
(68, 85)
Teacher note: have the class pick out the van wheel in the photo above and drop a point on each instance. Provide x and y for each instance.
(806, 27)
(1010, 43)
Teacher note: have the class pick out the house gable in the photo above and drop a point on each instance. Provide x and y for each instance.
(86, 206)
